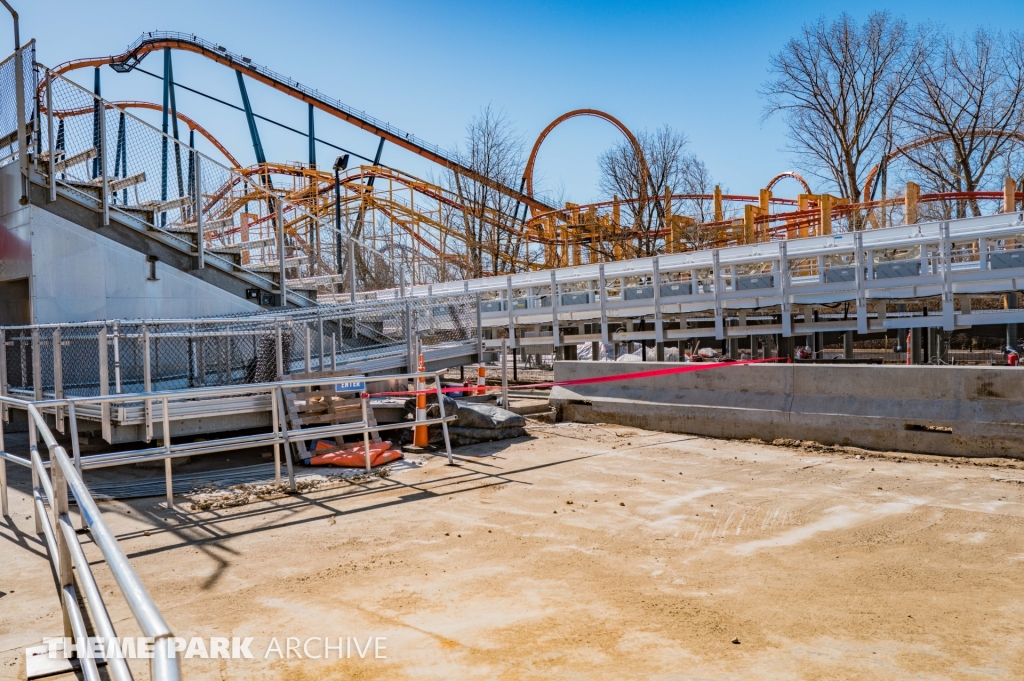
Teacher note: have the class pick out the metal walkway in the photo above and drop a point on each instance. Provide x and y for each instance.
(710, 293)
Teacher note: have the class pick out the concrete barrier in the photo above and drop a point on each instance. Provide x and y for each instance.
(957, 411)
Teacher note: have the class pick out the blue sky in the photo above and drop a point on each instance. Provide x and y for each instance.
(429, 67)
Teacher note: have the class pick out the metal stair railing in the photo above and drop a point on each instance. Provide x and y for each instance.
(68, 557)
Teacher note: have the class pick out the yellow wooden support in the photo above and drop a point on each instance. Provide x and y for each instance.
(677, 227)
(750, 211)
(590, 231)
(1009, 196)
(765, 206)
(910, 203)
(671, 242)
(564, 256)
(547, 233)
(803, 202)
(718, 204)
(825, 213)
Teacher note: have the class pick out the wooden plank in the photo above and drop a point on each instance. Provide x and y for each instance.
(373, 423)
(345, 411)
(346, 402)
(317, 393)
(319, 405)
(70, 162)
(305, 408)
(330, 419)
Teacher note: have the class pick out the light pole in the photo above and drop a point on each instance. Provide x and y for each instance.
(19, 85)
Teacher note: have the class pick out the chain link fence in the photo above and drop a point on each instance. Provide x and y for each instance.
(9, 102)
(128, 356)
(105, 155)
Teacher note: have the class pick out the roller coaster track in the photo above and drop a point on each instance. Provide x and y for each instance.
(586, 233)
(192, 125)
(313, 193)
(789, 174)
(645, 173)
(592, 232)
(317, 195)
(157, 40)
(924, 141)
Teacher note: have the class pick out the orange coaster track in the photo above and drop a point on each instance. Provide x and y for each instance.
(425, 227)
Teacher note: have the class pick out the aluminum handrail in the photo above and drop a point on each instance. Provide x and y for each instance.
(217, 391)
(66, 552)
(264, 316)
(946, 270)
(329, 311)
(991, 226)
(284, 436)
(61, 539)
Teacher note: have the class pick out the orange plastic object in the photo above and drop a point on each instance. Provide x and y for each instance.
(354, 456)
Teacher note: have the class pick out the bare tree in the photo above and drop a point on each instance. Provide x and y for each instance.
(836, 84)
(963, 117)
(488, 225)
(698, 206)
(670, 166)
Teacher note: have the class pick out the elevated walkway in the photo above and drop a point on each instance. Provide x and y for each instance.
(778, 287)
(115, 357)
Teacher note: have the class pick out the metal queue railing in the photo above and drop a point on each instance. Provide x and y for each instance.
(52, 479)
(68, 557)
(124, 356)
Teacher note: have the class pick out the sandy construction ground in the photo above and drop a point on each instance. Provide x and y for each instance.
(586, 552)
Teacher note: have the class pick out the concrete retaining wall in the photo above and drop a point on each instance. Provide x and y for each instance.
(958, 411)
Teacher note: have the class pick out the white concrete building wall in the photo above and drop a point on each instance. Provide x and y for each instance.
(78, 275)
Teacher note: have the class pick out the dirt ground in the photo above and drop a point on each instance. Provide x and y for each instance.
(585, 552)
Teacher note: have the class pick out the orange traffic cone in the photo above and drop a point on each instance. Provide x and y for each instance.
(420, 436)
(481, 380)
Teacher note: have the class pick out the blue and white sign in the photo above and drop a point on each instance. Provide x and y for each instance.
(351, 387)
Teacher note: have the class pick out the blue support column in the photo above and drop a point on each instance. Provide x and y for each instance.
(358, 229)
(97, 111)
(174, 125)
(165, 128)
(257, 146)
(124, 157)
(120, 158)
(376, 160)
(191, 162)
(312, 140)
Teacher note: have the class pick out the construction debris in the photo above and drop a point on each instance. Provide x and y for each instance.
(211, 497)
(475, 423)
